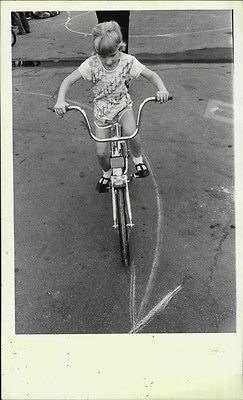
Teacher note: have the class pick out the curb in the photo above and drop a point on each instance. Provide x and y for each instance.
(199, 56)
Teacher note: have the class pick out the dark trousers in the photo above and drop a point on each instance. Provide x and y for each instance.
(121, 17)
(19, 19)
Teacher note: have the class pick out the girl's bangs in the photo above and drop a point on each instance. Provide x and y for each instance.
(106, 47)
(107, 44)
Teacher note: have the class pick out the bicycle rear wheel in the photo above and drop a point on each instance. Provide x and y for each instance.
(122, 227)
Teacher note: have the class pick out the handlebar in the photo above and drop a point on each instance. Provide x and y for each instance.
(114, 138)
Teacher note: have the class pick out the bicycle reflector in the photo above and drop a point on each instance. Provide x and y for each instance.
(117, 162)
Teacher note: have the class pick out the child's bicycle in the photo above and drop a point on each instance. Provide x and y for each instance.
(121, 205)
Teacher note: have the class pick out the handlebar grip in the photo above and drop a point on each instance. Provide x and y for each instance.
(169, 98)
(53, 109)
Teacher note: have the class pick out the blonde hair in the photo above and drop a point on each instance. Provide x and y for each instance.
(107, 38)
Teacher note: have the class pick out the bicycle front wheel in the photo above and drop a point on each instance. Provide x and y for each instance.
(122, 227)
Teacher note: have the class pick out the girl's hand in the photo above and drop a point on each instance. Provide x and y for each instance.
(60, 107)
(162, 96)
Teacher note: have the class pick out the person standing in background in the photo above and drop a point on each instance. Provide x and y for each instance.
(121, 17)
(19, 19)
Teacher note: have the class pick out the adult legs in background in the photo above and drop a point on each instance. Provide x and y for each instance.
(16, 21)
(24, 22)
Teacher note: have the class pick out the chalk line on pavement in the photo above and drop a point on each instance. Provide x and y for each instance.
(133, 316)
(132, 296)
(174, 34)
(158, 239)
(51, 96)
(31, 93)
(137, 322)
(71, 18)
(171, 34)
(158, 308)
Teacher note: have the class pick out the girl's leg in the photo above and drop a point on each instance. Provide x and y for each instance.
(128, 124)
(102, 150)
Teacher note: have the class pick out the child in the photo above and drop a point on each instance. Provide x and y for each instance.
(111, 70)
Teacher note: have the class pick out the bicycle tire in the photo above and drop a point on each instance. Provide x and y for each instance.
(122, 227)
(14, 38)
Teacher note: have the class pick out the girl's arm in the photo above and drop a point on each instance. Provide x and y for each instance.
(60, 106)
(162, 93)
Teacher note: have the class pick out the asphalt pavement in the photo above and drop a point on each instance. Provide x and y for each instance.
(69, 277)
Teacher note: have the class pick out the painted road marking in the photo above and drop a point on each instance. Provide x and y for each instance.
(220, 111)
(172, 34)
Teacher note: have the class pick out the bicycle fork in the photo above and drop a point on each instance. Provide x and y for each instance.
(114, 188)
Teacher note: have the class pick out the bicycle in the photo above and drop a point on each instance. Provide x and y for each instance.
(121, 205)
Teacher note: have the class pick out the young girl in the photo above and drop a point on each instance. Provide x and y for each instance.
(110, 70)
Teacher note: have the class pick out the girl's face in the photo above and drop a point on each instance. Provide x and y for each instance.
(110, 61)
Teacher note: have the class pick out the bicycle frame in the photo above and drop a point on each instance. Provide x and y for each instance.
(119, 177)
